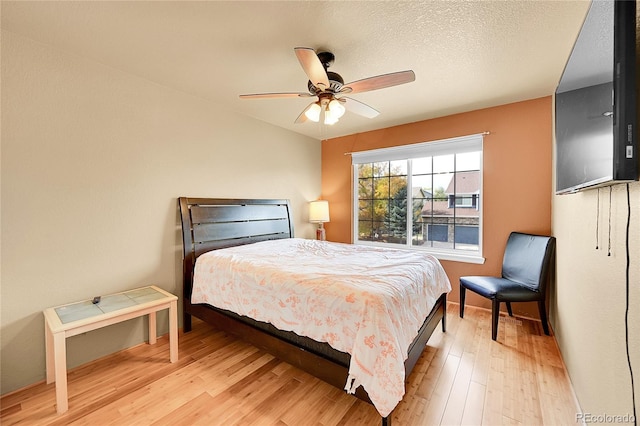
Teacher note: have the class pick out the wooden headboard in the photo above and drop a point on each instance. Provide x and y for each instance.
(215, 223)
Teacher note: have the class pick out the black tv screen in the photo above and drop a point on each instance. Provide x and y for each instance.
(596, 102)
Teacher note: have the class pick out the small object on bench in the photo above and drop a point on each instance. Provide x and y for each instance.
(96, 300)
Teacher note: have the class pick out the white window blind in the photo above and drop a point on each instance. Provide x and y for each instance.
(457, 145)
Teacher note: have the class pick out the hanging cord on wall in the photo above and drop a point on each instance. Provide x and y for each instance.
(609, 245)
(626, 314)
(598, 220)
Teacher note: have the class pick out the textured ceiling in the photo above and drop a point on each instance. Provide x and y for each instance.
(466, 54)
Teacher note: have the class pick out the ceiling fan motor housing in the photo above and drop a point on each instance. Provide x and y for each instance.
(335, 80)
(326, 59)
(335, 84)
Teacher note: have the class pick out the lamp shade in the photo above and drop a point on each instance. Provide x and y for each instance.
(336, 108)
(313, 112)
(319, 211)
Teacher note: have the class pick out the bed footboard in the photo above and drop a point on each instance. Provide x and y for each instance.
(318, 365)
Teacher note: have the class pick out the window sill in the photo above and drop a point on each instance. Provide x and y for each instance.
(440, 255)
(458, 257)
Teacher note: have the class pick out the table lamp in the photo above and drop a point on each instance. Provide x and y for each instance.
(319, 213)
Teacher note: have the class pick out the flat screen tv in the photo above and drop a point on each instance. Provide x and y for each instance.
(596, 102)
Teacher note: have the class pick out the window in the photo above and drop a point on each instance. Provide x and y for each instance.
(424, 196)
(462, 200)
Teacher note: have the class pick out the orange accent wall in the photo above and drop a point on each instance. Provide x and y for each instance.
(517, 170)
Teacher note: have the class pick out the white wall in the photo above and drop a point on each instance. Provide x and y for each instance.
(93, 160)
(588, 306)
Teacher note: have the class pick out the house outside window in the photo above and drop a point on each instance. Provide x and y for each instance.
(424, 196)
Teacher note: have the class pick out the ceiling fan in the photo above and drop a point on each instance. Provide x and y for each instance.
(329, 87)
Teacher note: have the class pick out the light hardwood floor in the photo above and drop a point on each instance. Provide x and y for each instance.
(463, 377)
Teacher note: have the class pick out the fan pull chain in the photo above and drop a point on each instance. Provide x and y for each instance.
(609, 247)
(598, 220)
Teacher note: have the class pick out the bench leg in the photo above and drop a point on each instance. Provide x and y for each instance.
(153, 331)
(49, 353)
(60, 361)
(173, 331)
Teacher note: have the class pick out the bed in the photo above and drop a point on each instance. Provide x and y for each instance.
(215, 231)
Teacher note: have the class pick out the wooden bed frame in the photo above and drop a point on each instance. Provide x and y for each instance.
(215, 223)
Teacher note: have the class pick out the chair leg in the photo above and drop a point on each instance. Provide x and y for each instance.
(495, 314)
(463, 292)
(509, 309)
(543, 316)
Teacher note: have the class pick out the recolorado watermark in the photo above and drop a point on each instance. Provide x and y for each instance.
(604, 418)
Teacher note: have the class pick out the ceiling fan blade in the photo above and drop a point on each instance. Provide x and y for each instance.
(359, 108)
(276, 95)
(312, 67)
(379, 82)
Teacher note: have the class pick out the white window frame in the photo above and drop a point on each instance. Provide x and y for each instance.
(456, 145)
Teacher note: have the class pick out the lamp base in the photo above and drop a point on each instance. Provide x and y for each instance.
(321, 235)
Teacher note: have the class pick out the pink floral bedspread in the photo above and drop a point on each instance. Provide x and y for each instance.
(367, 301)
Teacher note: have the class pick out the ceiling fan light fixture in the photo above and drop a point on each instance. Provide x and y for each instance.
(329, 117)
(336, 108)
(313, 112)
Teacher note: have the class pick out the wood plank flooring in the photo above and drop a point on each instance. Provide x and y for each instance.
(462, 378)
